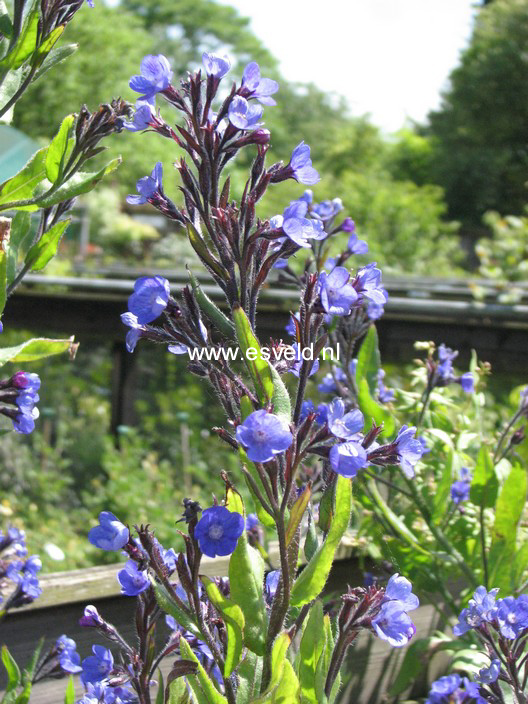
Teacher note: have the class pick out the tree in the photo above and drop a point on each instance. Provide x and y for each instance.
(480, 133)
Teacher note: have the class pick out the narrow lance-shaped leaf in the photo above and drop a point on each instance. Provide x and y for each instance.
(296, 513)
(278, 658)
(211, 310)
(12, 669)
(20, 239)
(234, 620)
(79, 183)
(311, 648)
(246, 577)
(371, 409)
(69, 696)
(58, 149)
(21, 186)
(312, 579)
(170, 607)
(280, 399)
(5, 234)
(201, 679)
(484, 485)
(369, 359)
(26, 43)
(45, 249)
(249, 346)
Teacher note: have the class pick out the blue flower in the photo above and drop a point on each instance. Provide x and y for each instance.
(385, 395)
(300, 166)
(244, 115)
(321, 414)
(135, 331)
(306, 408)
(111, 534)
(298, 362)
(24, 421)
(409, 449)
(133, 581)
(328, 209)
(355, 245)
(24, 574)
(257, 87)
(216, 65)
(479, 610)
(368, 284)
(490, 674)
(155, 76)
(26, 380)
(98, 666)
(271, 584)
(290, 327)
(297, 227)
(393, 624)
(467, 382)
(337, 294)
(459, 492)
(446, 356)
(150, 298)
(69, 658)
(143, 117)
(512, 615)
(264, 435)
(442, 688)
(400, 589)
(252, 521)
(91, 618)
(348, 458)
(218, 531)
(147, 186)
(344, 425)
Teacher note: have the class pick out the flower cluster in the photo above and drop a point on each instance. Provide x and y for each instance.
(19, 583)
(441, 372)
(18, 399)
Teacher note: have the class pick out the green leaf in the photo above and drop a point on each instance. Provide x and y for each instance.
(508, 513)
(201, 678)
(311, 649)
(5, 230)
(280, 398)
(43, 251)
(296, 514)
(234, 621)
(20, 235)
(58, 149)
(278, 658)
(211, 310)
(485, 485)
(69, 696)
(257, 366)
(8, 88)
(167, 604)
(47, 45)
(37, 348)
(178, 692)
(250, 676)
(311, 543)
(79, 183)
(55, 56)
(13, 671)
(369, 360)
(160, 696)
(25, 44)
(312, 579)
(23, 184)
(372, 410)
(288, 690)
(246, 577)
(6, 26)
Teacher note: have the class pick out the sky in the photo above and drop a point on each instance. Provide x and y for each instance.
(388, 58)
